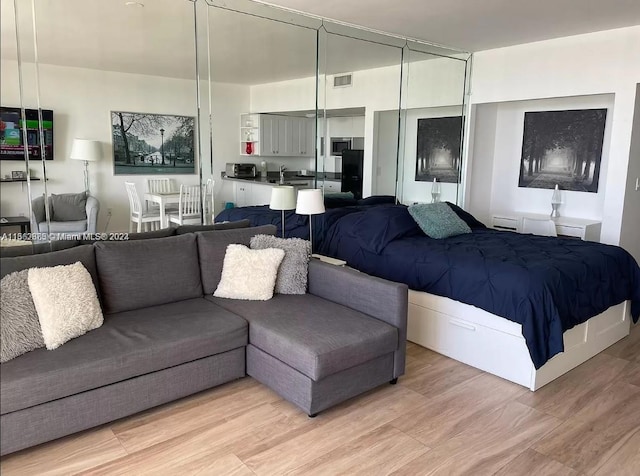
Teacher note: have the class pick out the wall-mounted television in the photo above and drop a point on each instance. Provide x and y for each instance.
(12, 140)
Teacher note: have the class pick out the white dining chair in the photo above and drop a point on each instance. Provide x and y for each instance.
(136, 214)
(538, 226)
(160, 185)
(209, 200)
(189, 206)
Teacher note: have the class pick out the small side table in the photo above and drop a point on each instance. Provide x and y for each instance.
(22, 222)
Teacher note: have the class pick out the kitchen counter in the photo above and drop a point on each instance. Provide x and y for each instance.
(295, 180)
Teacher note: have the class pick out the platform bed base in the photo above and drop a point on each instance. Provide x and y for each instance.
(494, 344)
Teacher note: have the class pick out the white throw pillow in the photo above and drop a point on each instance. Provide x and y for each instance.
(249, 274)
(66, 302)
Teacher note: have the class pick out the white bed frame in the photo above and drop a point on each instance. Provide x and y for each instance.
(494, 344)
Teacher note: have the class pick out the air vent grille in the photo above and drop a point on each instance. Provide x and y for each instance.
(342, 81)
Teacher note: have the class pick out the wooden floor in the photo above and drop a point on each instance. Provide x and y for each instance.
(443, 417)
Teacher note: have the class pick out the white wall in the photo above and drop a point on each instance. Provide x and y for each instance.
(583, 65)
(82, 100)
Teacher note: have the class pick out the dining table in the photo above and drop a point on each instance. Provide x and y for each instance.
(163, 199)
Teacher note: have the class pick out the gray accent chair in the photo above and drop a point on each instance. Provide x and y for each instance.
(71, 228)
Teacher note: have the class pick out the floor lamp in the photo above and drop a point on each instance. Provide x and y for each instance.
(310, 202)
(283, 198)
(89, 151)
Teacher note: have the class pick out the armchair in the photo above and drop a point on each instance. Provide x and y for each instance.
(74, 216)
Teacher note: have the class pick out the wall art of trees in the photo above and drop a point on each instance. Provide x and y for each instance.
(152, 143)
(438, 149)
(564, 148)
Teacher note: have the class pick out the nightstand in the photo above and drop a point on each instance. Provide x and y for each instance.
(584, 229)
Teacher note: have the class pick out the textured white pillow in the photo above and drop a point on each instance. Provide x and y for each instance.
(66, 301)
(249, 274)
(292, 275)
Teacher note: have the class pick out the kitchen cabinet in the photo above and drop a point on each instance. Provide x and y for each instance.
(260, 194)
(304, 137)
(242, 194)
(332, 186)
(276, 135)
(273, 135)
(251, 193)
(352, 126)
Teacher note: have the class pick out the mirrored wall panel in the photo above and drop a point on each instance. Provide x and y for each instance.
(359, 100)
(431, 156)
(25, 131)
(224, 99)
(116, 86)
(262, 85)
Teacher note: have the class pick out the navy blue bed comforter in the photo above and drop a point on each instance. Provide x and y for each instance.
(297, 226)
(548, 285)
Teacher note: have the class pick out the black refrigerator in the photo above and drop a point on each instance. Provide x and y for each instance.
(352, 165)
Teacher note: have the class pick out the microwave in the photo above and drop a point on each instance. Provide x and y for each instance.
(240, 170)
(339, 144)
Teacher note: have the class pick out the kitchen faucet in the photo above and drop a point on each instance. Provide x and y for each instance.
(282, 169)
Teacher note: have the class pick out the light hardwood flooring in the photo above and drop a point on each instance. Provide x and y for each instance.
(443, 417)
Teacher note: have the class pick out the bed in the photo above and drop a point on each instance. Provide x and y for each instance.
(297, 226)
(524, 307)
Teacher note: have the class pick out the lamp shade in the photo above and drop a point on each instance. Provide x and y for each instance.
(283, 198)
(310, 202)
(84, 149)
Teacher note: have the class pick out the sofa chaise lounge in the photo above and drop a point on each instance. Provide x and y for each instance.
(165, 337)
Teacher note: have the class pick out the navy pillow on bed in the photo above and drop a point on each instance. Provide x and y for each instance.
(376, 227)
(466, 217)
(377, 200)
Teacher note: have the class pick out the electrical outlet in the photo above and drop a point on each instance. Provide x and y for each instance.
(109, 211)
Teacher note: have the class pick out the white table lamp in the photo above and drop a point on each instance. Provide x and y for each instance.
(283, 198)
(310, 202)
(89, 151)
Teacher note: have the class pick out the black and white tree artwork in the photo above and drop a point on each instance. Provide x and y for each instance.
(564, 148)
(152, 143)
(438, 150)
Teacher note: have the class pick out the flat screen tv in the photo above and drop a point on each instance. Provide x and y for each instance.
(12, 140)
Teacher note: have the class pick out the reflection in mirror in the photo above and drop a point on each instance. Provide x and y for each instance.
(21, 167)
(360, 80)
(120, 80)
(431, 158)
(262, 89)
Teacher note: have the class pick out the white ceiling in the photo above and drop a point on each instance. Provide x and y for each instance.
(475, 25)
(158, 39)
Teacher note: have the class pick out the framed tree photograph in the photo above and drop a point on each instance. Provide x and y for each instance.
(438, 150)
(150, 144)
(564, 148)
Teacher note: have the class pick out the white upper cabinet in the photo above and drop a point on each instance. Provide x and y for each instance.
(352, 126)
(285, 136)
(275, 135)
(303, 136)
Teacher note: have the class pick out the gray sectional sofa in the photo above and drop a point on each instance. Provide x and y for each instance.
(165, 336)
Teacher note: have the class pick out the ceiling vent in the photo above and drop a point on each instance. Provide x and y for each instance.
(343, 80)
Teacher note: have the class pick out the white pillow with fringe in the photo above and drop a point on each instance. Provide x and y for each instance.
(66, 301)
(249, 274)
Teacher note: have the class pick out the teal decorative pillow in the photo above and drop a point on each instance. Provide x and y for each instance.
(438, 220)
(339, 195)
